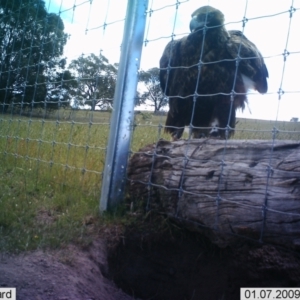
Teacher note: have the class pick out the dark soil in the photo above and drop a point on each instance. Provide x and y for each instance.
(189, 267)
(171, 264)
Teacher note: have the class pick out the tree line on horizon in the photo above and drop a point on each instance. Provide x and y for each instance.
(34, 73)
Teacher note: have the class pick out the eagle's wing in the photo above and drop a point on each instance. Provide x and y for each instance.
(251, 65)
(169, 59)
(172, 87)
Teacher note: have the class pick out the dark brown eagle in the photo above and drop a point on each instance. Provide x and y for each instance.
(207, 74)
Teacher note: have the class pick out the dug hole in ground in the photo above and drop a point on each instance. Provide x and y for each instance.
(149, 263)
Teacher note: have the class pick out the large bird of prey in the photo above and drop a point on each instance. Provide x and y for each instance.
(207, 74)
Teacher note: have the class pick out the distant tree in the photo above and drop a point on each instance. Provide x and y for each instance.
(139, 99)
(153, 91)
(96, 81)
(59, 90)
(31, 44)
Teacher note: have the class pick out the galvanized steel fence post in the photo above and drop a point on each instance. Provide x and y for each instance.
(113, 183)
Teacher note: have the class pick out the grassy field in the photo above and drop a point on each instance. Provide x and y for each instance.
(51, 172)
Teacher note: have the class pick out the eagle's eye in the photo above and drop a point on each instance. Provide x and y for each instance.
(211, 15)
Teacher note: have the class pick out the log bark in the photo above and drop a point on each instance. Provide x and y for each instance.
(226, 189)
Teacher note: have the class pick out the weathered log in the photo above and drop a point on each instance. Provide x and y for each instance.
(226, 188)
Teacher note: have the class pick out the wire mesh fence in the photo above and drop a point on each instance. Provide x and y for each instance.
(57, 87)
(173, 175)
(50, 78)
(59, 64)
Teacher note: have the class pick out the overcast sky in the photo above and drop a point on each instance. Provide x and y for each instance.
(268, 25)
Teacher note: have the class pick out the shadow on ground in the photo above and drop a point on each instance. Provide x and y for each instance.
(190, 267)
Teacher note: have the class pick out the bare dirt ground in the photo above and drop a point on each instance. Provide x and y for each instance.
(68, 274)
(183, 266)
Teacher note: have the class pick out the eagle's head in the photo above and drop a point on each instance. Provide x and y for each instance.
(206, 15)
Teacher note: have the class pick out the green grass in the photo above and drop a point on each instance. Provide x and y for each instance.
(51, 172)
(263, 130)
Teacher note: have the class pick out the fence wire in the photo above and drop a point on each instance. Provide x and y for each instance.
(55, 72)
(272, 130)
(59, 64)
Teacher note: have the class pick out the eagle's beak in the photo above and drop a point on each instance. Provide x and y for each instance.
(195, 24)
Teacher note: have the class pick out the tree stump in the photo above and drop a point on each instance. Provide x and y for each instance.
(227, 189)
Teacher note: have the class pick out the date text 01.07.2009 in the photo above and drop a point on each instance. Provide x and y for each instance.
(270, 293)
